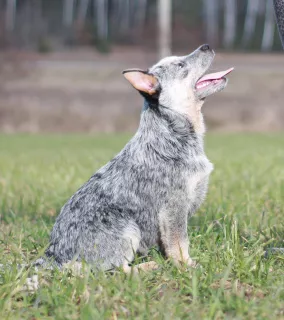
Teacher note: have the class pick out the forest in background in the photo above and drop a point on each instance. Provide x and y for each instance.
(61, 61)
(50, 25)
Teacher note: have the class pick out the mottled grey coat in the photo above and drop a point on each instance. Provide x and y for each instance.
(144, 196)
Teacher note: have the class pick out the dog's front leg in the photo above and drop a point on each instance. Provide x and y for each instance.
(174, 237)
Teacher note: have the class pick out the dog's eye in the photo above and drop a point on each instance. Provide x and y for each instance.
(180, 65)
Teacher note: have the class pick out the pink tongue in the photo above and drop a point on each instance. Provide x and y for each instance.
(216, 75)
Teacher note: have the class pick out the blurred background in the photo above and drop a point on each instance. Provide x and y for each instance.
(61, 61)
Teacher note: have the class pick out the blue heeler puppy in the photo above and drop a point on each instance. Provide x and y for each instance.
(146, 194)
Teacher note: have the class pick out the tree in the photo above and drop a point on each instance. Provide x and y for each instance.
(211, 13)
(141, 13)
(83, 9)
(268, 33)
(10, 15)
(165, 26)
(279, 13)
(102, 19)
(230, 23)
(250, 21)
(68, 12)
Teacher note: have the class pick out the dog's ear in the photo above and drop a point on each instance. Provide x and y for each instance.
(141, 80)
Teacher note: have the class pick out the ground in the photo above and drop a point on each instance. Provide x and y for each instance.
(241, 218)
(84, 91)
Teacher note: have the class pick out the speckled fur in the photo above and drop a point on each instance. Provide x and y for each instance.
(145, 195)
(279, 13)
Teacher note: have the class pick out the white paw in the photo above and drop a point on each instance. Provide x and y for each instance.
(192, 263)
(32, 284)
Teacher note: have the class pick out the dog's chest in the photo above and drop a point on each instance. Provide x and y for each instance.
(197, 178)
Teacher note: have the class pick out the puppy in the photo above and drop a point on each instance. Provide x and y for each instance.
(146, 194)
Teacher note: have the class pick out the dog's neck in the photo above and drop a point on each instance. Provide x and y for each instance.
(167, 130)
(193, 115)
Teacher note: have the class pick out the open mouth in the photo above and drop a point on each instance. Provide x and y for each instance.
(212, 79)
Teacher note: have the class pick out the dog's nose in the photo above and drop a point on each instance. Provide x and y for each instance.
(205, 47)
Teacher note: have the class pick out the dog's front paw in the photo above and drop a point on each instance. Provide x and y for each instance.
(144, 267)
(147, 266)
(189, 264)
(192, 263)
(185, 263)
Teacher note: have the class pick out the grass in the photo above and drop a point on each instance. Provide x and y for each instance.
(242, 216)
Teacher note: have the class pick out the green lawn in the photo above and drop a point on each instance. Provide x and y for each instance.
(242, 216)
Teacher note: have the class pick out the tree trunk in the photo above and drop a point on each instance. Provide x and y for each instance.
(211, 12)
(125, 23)
(68, 13)
(141, 13)
(230, 23)
(83, 9)
(250, 21)
(102, 19)
(268, 33)
(10, 15)
(165, 27)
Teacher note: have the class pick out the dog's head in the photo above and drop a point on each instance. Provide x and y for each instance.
(180, 83)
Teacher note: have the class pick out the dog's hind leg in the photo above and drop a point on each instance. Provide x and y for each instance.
(111, 247)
